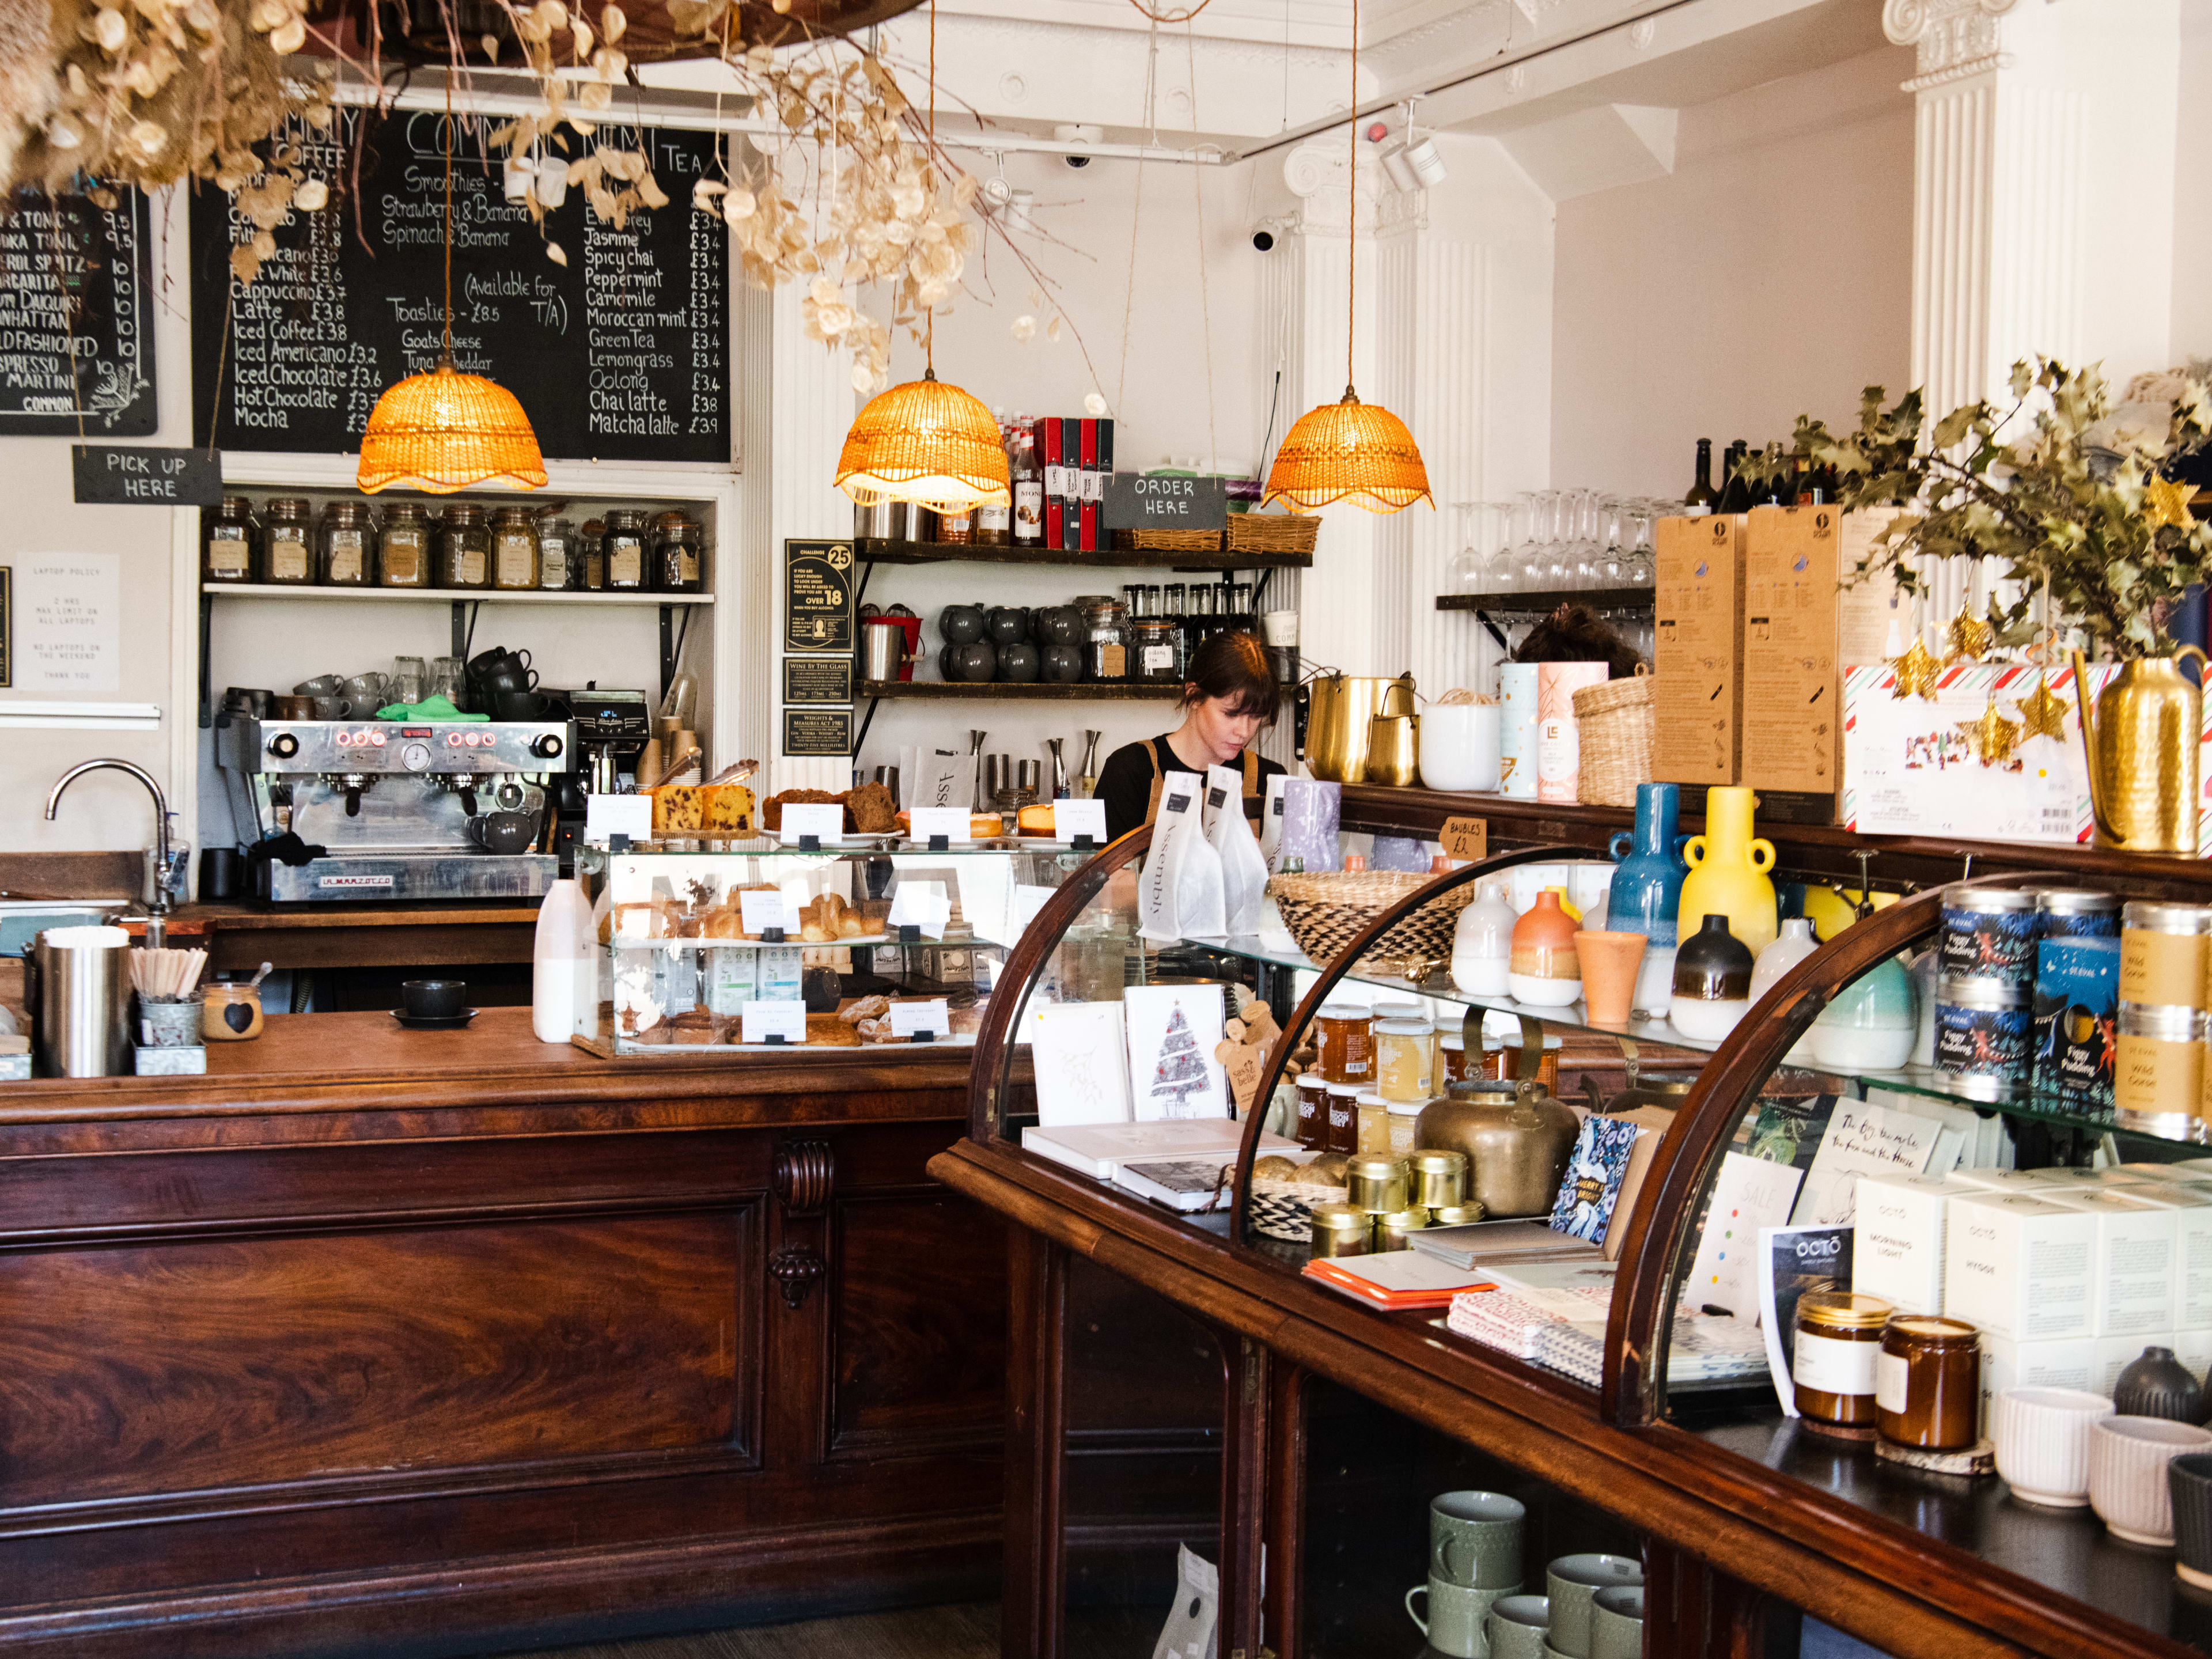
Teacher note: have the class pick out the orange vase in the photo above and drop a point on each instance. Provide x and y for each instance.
(1545, 972)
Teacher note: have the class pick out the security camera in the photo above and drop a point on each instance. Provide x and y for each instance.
(1077, 160)
(1263, 239)
(1076, 132)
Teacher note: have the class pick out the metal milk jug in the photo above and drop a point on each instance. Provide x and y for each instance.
(2141, 745)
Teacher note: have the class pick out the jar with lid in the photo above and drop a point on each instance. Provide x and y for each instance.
(403, 547)
(1344, 1033)
(228, 555)
(1153, 643)
(679, 554)
(1373, 1120)
(1403, 1048)
(464, 548)
(513, 549)
(590, 556)
(1378, 1185)
(345, 545)
(287, 555)
(1339, 1230)
(959, 526)
(1106, 644)
(1313, 1111)
(625, 547)
(557, 562)
(1833, 1359)
(1343, 1125)
(1928, 1382)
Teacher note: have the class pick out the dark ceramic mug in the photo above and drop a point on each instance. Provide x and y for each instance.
(432, 998)
(2189, 1483)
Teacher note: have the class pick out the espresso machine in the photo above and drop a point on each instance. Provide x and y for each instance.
(401, 810)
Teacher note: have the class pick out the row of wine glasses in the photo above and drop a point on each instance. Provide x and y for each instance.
(1555, 541)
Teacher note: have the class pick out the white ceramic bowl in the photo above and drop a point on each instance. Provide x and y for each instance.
(2127, 1457)
(1459, 746)
(2042, 1438)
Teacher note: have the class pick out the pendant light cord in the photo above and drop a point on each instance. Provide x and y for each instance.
(448, 352)
(929, 318)
(1350, 206)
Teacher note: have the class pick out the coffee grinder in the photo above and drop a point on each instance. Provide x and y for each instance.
(611, 728)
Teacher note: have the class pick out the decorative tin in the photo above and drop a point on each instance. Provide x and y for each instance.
(1987, 933)
(2076, 913)
(1983, 1035)
(2158, 1069)
(2162, 953)
(2077, 1002)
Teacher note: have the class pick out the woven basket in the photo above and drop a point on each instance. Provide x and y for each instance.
(1324, 911)
(1284, 1209)
(1614, 725)
(1272, 532)
(1169, 541)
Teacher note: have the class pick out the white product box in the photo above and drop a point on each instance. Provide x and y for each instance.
(1990, 1178)
(1897, 1243)
(2082, 1179)
(2133, 1287)
(2194, 1350)
(2116, 1353)
(2192, 1249)
(2188, 1172)
(2020, 1266)
(2009, 1364)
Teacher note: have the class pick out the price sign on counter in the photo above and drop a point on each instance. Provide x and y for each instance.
(911, 1019)
(617, 815)
(952, 823)
(760, 909)
(1467, 838)
(825, 822)
(759, 1021)
(1071, 818)
(916, 906)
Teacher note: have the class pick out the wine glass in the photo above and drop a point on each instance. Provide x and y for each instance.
(1552, 538)
(1501, 520)
(1612, 561)
(1588, 536)
(1469, 570)
(1639, 570)
(1528, 551)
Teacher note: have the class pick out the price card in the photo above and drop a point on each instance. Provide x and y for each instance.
(916, 906)
(930, 1019)
(762, 908)
(1466, 838)
(1244, 1063)
(824, 820)
(949, 821)
(617, 815)
(1071, 818)
(759, 1021)
(1028, 901)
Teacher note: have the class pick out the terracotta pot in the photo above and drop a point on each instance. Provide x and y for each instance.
(1609, 963)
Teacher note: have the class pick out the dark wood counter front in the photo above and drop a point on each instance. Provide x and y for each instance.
(373, 1341)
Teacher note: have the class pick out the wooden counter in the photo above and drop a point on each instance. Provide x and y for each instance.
(318, 936)
(375, 1341)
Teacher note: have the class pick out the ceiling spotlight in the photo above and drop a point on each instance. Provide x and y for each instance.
(1399, 169)
(1428, 162)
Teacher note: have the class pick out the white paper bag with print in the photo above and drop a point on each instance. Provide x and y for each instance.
(1179, 895)
(936, 777)
(1173, 1032)
(1243, 871)
(1189, 1633)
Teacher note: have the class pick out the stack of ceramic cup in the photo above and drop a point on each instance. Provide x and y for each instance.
(1474, 1563)
(1594, 1609)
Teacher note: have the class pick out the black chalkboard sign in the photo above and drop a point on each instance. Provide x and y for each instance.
(1143, 501)
(139, 475)
(76, 322)
(817, 596)
(621, 354)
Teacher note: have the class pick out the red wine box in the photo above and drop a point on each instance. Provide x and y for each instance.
(1697, 703)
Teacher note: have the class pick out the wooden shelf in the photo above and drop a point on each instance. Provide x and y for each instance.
(873, 551)
(1547, 598)
(447, 595)
(1014, 691)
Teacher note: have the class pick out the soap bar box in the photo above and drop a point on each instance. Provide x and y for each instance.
(2132, 1272)
(2020, 1267)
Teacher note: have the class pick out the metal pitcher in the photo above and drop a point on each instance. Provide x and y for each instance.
(1393, 745)
(81, 988)
(1340, 723)
(2142, 748)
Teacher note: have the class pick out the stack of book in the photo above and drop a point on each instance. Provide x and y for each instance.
(1395, 1279)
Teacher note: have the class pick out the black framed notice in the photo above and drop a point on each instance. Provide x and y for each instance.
(817, 597)
(622, 353)
(76, 322)
(817, 732)
(817, 679)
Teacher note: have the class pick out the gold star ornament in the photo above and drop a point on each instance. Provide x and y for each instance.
(2042, 714)
(1992, 736)
(1971, 638)
(2165, 502)
(1915, 673)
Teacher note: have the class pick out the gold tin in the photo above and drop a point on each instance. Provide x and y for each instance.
(1391, 1231)
(1456, 1215)
(2162, 953)
(2158, 1069)
(1339, 1230)
(1439, 1179)
(1379, 1186)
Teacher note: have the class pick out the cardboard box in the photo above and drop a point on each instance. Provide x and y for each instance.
(1697, 611)
(2116, 1353)
(1897, 1243)
(1800, 627)
(2009, 1364)
(2192, 1250)
(2020, 1267)
(2132, 1280)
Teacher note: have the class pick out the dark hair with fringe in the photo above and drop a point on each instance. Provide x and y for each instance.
(1234, 666)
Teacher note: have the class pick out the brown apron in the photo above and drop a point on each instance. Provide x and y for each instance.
(1251, 786)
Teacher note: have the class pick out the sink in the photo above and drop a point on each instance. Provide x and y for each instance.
(22, 921)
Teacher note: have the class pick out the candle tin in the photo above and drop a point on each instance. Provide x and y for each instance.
(1987, 932)
(2158, 1069)
(1456, 1215)
(1439, 1179)
(2077, 999)
(1391, 1231)
(2162, 953)
(1339, 1230)
(1984, 1035)
(2076, 913)
(1380, 1186)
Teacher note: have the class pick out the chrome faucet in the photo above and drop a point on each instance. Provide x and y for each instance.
(158, 910)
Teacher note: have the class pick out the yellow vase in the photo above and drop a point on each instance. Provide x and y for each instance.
(1728, 871)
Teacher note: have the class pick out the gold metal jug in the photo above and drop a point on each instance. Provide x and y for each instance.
(1339, 722)
(2142, 748)
(1393, 744)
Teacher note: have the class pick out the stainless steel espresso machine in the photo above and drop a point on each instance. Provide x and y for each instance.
(403, 811)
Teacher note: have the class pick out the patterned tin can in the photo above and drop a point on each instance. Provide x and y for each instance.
(1985, 1031)
(2162, 953)
(2076, 913)
(1988, 933)
(2077, 997)
(2158, 1075)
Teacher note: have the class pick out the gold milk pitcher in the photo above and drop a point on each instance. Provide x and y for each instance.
(2142, 748)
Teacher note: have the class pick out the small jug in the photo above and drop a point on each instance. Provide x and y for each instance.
(2142, 749)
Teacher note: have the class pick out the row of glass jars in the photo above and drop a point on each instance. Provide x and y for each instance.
(504, 550)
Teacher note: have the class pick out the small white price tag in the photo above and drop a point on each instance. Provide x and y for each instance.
(949, 821)
(824, 821)
(1028, 901)
(759, 1021)
(915, 1018)
(762, 908)
(1071, 818)
(617, 815)
(916, 906)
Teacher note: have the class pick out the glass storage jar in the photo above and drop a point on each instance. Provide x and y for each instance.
(287, 552)
(403, 547)
(1832, 1365)
(345, 545)
(1403, 1051)
(1343, 1127)
(1106, 648)
(1344, 1033)
(1373, 1134)
(464, 548)
(590, 556)
(1313, 1111)
(1154, 641)
(556, 548)
(228, 554)
(625, 549)
(1928, 1382)
(513, 549)
(679, 554)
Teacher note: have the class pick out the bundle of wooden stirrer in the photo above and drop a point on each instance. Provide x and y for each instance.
(166, 976)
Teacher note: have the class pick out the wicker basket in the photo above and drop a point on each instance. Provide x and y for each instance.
(1168, 541)
(1284, 1209)
(1325, 911)
(1615, 728)
(1272, 532)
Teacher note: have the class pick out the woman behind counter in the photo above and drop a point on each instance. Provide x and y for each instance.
(1230, 694)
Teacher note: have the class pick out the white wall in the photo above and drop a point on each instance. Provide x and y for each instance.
(2192, 188)
(1769, 275)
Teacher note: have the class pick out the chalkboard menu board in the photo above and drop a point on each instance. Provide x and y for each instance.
(76, 341)
(621, 354)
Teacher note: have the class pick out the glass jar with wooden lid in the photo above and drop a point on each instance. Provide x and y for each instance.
(228, 541)
(1833, 1359)
(403, 547)
(514, 550)
(464, 548)
(556, 554)
(590, 556)
(345, 545)
(625, 550)
(1928, 1382)
(679, 554)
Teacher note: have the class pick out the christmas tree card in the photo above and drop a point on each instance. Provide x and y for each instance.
(1173, 1032)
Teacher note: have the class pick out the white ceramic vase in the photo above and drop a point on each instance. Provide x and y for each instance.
(1482, 942)
(1459, 746)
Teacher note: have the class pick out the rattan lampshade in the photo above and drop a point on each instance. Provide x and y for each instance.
(1349, 451)
(444, 431)
(928, 442)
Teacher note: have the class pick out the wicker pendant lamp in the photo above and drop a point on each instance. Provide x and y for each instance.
(444, 431)
(1349, 450)
(925, 441)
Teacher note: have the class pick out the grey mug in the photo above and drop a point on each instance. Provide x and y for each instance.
(1474, 1538)
(1616, 1623)
(1572, 1581)
(1455, 1616)
(1515, 1627)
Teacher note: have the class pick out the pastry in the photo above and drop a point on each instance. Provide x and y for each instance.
(1274, 1167)
(866, 1008)
(870, 809)
(728, 809)
(677, 810)
(1035, 820)
(771, 809)
(985, 825)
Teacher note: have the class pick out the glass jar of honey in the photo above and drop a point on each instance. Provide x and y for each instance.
(1928, 1382)
(1451, 1057)
(1344, 1032)
(1374, 1120)
(1313, 1111)
(1833, 1359)
(1343, 1125)
(1403, 1050)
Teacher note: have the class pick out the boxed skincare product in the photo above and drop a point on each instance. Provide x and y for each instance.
(2132, 1282)
(2192, 1249)
(1896, 1244)
(2009, 1364)
(2020, 1266)
(2116, 1353)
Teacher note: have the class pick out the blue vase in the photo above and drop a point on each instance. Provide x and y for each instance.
(1647, 888)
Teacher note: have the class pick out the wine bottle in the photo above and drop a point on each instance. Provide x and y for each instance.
(1702, 493)
(1028, 477)
(1735, 493)
(1773, 489)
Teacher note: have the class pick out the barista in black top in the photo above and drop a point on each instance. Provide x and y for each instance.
(1230, 694)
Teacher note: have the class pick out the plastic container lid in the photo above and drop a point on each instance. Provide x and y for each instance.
(1402, 1028)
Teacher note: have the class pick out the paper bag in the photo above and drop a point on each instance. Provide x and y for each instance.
(1179, 895)
(1243, 871)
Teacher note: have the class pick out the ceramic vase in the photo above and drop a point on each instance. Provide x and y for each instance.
(2042, 1438)
(1871, 1024)
(1459, 746)
(2156, 1384)
(2128, 1490)
(1728, 870)
(1482, 942)
(1647, 889)
(1794, 944)
(1712, 982)
(1609, 962)
(1544, 973)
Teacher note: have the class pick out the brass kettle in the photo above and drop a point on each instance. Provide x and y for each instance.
(1516, 1138)
(2142, 749)
(1341, 720)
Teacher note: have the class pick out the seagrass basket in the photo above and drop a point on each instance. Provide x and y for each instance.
(1616, 729)
(1284, 1209)
(1324, 910)
(1168, 541)
(1272, 532)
